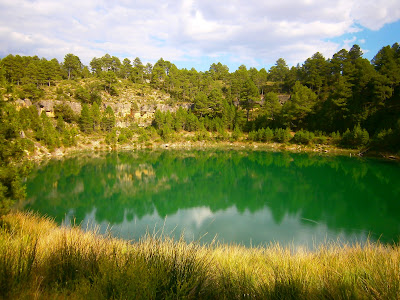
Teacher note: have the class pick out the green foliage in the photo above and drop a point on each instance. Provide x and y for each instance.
(387, 139)
(49, 134)
(96, 116)
(125, 135)
(110, 79)
(271, 107)
(320, 138)
(68, 137)
(300, 105)
(65, 111)
(303, 137)
(279, 71)
(111, 138)
(236, 134)
(358, 137)
(336, 138)
(222, 134)
(72, 64)
(12, 148)
(60, 124)
(158, 120)
(282, 135)
(86, 120)
(82, 95)
(143, 136)
(180, 119)
(323, 94)
(108, 119)
(201, 104)
(249, 96)
(88, 96)
(31, 91)
(192, 123)
(262, 135)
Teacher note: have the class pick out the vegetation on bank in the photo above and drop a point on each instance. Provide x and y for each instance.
(39, 259)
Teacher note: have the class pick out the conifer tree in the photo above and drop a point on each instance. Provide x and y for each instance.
(108, 119)
(86, 119)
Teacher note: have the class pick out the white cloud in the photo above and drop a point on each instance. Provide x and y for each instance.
(253, 30)
(374, 14)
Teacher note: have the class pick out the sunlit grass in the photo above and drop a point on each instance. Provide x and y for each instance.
(40, 260)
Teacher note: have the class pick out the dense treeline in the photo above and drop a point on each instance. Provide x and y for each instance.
(329, 95)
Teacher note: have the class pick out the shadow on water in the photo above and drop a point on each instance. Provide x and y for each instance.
(242, 196)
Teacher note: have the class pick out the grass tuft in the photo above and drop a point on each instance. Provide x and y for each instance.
(40, 260)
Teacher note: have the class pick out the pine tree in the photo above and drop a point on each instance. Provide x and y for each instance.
(86, 119)
(108, 119)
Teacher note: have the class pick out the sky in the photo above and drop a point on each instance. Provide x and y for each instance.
(197, 33)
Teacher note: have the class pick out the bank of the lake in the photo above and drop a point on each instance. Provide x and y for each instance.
(95, 143)
(40, 260)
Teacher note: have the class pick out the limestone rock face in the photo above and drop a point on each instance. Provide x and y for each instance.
(75, 106)
(23, 103)
(126, 110)
(48, 106)
(121, 109)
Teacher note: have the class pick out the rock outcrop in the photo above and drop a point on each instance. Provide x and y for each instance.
(48, 106)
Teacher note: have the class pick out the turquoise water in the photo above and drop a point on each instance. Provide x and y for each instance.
(246, 197)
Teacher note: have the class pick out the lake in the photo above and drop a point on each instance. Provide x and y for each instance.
(244, 197)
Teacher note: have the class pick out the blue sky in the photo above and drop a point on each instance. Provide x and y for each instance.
(193, 33)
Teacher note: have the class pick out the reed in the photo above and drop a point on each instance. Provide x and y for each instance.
(40, 260)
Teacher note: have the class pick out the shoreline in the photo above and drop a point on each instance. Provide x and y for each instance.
(97, 145)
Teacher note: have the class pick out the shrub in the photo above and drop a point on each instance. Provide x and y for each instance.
(122, 139)
(282, 135)
(82, 94)
(336, 138)
(358, 137)
(252, 136)
(268, 134)
(111, 138)
(236, 134)
(65, 111)
(303, 137)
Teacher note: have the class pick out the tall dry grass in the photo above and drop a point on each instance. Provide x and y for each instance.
(39, 260)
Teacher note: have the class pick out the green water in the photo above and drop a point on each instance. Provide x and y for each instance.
(246, 197)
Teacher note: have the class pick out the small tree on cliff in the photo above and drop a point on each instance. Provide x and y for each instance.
(108, 120)
(86, 120)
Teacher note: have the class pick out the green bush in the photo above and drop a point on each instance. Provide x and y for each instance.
(66, 112)
(336, 138)
(252, 136)
(122, 139)
(261, 135)
(358, 137)
(236, 134)
(282, 135)
(111, 138)
(83, 95)
(303, 137)
(268, 135)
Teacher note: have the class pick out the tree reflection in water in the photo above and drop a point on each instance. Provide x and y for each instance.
(261, 196)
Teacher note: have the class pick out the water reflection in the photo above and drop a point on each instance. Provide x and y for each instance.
(244, 197)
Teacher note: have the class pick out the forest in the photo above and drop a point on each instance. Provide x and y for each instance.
(346, 100)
